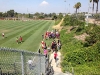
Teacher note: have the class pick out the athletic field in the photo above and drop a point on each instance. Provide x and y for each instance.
(31, 32)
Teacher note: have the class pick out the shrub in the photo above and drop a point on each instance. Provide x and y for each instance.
(94, 35)
(80, 57)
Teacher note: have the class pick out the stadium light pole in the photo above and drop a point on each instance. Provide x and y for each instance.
(69, 8)
(65, 7)
(27, 10)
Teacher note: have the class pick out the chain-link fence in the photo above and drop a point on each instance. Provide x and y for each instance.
(20, 62)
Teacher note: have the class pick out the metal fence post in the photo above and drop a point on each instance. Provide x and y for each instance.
(40, 64)
(72, 71)
(22, 62)
(19, 62)
(0, 71)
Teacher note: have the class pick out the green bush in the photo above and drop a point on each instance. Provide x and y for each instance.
(57, 21)
(80, 28)
(72, 21)
(81, 58)
(94, 35)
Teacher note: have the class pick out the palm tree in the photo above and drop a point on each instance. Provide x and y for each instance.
(77, 6)
(96, 1)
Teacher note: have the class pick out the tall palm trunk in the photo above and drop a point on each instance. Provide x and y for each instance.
(93, 7)
(76, 12)
(97, 8)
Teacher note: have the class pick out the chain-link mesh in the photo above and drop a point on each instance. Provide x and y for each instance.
(15, 62)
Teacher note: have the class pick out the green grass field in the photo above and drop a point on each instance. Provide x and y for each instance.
(31, 32)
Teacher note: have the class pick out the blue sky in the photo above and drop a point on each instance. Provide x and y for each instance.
(45, 6)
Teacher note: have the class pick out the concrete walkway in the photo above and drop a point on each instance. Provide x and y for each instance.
(56, 65)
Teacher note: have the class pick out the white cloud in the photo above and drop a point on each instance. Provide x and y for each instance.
(44, 3)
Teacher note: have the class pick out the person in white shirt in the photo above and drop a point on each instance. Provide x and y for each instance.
(30, 63)
(3, 35)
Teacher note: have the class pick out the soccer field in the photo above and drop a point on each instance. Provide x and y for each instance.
(30, 31)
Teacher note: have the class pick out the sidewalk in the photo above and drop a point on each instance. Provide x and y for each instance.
(53, 63)
(56, 66)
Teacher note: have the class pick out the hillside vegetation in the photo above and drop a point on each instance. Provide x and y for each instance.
(83, 56)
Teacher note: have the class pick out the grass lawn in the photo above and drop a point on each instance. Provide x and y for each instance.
(30, 31)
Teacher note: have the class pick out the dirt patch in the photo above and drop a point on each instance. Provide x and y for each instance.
(68, 28)
(58, 27)
(81, 37)
(4, 31)
(78, 37)
(94, 21)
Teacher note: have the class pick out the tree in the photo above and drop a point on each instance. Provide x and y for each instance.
(50, 15)
(1, 14)
(77, 6)
(5, 14)
(29, 15)
(16, 14)
(45, 15)
(60, 16)
(10, 13)
(42, 13)
(54, 17)
(37, 15)
(53, 14)
(94, 1)
(41, 17)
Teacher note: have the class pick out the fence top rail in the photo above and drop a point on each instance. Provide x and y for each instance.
(19, 50)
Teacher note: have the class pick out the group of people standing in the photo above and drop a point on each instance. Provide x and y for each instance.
(53, 34)
(54, 46)
(19, 40)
